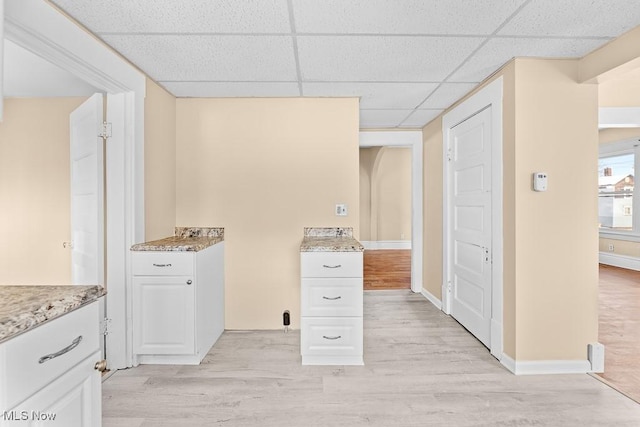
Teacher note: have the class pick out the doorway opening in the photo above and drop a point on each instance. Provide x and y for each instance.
(391, 208)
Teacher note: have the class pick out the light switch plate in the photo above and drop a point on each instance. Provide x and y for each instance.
(341, 209)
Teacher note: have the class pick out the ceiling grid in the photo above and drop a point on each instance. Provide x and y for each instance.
(407, 60)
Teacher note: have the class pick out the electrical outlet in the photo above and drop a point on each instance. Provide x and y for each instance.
(341, 209)
(611, 248)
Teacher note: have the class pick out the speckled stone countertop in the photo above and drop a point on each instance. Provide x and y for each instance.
(330, 239)
(185, 239)
(25, 307)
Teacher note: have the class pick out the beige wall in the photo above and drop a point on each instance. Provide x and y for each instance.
(34, 191)
(385, 193)
(264, 169)
(159, 162)
(556, 231)
(550, 252)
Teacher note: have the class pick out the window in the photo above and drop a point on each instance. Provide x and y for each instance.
(616, 197)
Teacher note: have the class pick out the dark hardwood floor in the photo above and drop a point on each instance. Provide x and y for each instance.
(387, 269)
(619, 328)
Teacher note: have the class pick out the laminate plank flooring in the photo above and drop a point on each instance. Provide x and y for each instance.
(421, 369)
(619, 328)
(387, 269)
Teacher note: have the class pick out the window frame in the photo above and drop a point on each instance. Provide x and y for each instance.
(629, 146)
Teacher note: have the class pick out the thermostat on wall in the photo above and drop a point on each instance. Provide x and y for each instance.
(539, 181)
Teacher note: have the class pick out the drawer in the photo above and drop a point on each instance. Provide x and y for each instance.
(24, 374)
(331, 264)
(331, 336)
(332, 297)
(163, 263)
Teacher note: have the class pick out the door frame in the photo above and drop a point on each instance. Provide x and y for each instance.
(413, 140)
(488, 97)
(40, 28)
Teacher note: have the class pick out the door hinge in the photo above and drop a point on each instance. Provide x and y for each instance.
(449, 285)
(105, 131)
(104, 326)
(449, 157)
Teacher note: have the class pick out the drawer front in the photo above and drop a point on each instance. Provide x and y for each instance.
(163, 263)
(331, 336)
(332, 297)
(331, 264)
(25, 374)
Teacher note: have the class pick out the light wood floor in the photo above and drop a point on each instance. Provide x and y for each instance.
(387, 269)
(421, 369)
(619, 328)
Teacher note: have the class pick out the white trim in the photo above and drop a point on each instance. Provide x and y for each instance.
(36, 26)
(1, 58)
(489, 96)
(618, 117)
(546, 367)
(622, 261)
(432, 298)
(386, 244)
(411, 139)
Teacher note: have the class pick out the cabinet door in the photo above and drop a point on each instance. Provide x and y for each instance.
(74, 399)
(165, 315)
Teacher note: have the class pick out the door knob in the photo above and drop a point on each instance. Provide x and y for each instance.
(189, 282)
(101, 365)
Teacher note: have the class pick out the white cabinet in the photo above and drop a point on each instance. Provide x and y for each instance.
(331, 308)
(178, 304)
(49, 374)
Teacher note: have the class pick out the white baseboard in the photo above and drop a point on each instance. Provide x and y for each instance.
(545, 367)
(432, 298)
(386, 244)
(622, 261)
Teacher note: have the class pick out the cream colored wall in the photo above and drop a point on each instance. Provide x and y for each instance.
(620, 247)
(623, 91)
(385, 193)
(392, 184)
(264, 169)
(35, 191)
(550, 252)
(367, 156)
(556, 231)
(159, 162)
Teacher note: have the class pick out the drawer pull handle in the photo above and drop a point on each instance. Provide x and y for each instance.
(332, 298)
(161, 265)
(332, 338)
(67, 349)
(332, 266)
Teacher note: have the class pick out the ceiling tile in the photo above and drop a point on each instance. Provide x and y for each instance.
(500, 50)
(184, 16)
(402, 17)
(604, 18)
(232, 89)
(375, 58)
(419, 118)
(375, 95)
(447, 94)
(210, 58)
(371, 119)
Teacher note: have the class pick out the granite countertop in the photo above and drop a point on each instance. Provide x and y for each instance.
(25, 307)
(185, 239)
(330, 239)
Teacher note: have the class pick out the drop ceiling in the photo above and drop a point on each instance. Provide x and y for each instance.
(407, 60)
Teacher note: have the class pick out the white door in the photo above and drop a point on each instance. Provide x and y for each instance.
(469, 222)
(87, 193)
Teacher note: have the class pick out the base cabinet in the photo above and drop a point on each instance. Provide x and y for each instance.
(331, 330)
(48, 375)
(178, 304)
